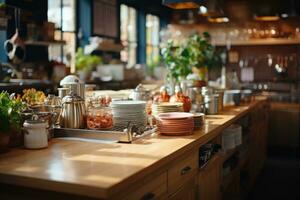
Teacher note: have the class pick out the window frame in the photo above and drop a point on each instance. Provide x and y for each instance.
(128, 41)
(153, 46)
(75, 32)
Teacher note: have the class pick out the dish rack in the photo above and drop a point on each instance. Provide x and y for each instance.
(119, 134)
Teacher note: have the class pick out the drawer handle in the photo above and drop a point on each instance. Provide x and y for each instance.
(148, 196)
(185, 170)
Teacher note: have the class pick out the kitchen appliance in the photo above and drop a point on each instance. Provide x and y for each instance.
(36, 134)
(73, 112)
(76, 85)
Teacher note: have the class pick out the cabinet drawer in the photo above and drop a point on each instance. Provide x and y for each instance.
(150, 188)
(182, 171)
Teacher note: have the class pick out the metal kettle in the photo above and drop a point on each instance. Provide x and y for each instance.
(73, 112)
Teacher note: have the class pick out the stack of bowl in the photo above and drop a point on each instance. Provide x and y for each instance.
(175, 123)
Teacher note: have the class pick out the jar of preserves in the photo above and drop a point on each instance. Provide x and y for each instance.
(99, 116)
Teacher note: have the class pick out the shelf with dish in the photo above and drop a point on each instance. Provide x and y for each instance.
(266, 41)
(44, 43)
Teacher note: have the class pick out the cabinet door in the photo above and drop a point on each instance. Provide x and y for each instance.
(186, 192)
(209, 179)
(284, 125)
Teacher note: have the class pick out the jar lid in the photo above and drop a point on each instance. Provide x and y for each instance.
(35, 123)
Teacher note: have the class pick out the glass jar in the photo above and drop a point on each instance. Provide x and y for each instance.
(99, 117)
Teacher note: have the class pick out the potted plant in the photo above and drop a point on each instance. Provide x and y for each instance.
(203, 55)
(177, 60)
(85, 63)
(10, 118)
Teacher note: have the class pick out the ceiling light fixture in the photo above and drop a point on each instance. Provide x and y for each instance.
(182, 4)
(267, 18)
(202, 11)
(218, 19)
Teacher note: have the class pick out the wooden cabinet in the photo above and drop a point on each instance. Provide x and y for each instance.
(105, 22)
(186, 192)
(209, 179)
(151, 188)
(284, 125)
(182, 170)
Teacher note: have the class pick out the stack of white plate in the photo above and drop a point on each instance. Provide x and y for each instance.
(129, 111)
(166, 108)
(232, 137)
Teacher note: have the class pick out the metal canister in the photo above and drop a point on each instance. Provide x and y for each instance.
(220, 99)
(73, 112)
(211, 104)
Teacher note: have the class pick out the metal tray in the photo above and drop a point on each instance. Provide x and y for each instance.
(117, 134)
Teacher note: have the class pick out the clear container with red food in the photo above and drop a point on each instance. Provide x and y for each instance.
(99, 116)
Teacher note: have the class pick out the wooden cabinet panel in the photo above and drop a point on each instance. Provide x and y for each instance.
(186, 192)
(182, 171)
(284, 125)
(105, 20)
(154, 189)
(209, 179)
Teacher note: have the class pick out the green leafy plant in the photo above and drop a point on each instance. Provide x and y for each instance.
(177, 59)
(202, 53)
(86, 62)
(10, 112)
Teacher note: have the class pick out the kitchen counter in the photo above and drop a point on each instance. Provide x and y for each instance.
(102, 170)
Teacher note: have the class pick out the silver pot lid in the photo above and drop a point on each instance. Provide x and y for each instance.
(70, 79)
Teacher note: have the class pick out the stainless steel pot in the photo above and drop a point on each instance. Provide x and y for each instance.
(73, 112)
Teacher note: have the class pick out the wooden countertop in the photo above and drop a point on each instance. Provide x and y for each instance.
(100, 170)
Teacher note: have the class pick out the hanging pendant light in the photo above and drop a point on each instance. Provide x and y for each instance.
(182, 4)
(266, 10)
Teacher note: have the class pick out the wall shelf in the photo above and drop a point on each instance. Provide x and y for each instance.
(45, 43)
(254, 42)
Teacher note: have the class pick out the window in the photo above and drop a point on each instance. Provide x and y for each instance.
(128, 34)
(152, 40)
(62, 13)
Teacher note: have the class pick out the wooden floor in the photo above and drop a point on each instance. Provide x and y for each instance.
(280, 179)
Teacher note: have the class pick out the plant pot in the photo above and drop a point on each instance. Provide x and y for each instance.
(202, 72)
(4, 142)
